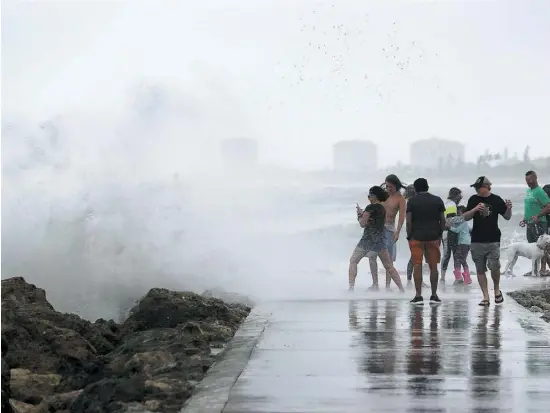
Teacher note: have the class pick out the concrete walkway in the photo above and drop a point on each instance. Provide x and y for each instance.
(385, 355)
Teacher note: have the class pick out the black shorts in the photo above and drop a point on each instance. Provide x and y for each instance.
(535, 230)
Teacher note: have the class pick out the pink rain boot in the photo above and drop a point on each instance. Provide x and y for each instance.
(467, 278)
(458, 276)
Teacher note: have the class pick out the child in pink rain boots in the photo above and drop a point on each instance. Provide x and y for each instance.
(462, 228)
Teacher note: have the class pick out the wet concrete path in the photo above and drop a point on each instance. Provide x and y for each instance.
(385, 355)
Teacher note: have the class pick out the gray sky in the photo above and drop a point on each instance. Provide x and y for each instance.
(298, 75)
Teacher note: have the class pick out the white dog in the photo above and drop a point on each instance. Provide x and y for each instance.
(534, 251)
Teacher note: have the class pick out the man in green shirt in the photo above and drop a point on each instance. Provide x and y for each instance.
(537, 206)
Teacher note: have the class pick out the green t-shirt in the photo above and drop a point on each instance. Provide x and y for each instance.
(535, 200)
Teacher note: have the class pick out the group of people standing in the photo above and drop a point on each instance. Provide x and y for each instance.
(432, 223)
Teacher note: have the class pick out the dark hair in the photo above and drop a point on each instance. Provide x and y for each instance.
(379, 193)
(421, 185)
(454, 191)
(546, 188)
(530, 173)
(461, 208)
(395, 181)
(409, 191)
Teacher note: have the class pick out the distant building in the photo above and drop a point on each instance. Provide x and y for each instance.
(239, 152)
(435, 153)
(355, 155)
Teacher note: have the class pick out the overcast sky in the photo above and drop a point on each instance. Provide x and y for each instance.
(298, 75)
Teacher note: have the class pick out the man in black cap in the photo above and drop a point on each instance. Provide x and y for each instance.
(484, 208)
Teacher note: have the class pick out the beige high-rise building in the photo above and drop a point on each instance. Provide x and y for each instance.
(435, 152)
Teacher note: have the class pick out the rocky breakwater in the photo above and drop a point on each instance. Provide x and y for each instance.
(54, 362)
(537, 301)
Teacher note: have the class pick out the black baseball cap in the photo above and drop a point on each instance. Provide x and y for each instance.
(481, 181)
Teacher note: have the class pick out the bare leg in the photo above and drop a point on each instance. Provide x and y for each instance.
(356, 257)
(493, 261)
(434, 276)
(391, 252)
(388, 279)
(482, 280)
(374, 271)
(446, 257)
(352, 274)
(410, 270)
(390, 269)
(417, 276)
(495, 275)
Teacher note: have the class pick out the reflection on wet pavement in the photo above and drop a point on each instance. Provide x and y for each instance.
(389, 356)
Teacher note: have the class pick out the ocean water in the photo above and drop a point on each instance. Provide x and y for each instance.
(320, 225)
(96, 246)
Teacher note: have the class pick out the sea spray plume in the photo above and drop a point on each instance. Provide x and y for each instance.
(91, 219)
(54, 229)
(124, 211)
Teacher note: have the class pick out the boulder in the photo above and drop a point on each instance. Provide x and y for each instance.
(21, 407)
(46, 341)
(109, 395)
(537, 301)
(151, 362)
(6, 378)
(31, 387)
(162, 308)
(59, 402)
(17, 292)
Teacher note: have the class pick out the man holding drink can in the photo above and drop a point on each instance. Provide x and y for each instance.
(484, 208)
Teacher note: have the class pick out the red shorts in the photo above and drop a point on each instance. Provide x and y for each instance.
(428, 248)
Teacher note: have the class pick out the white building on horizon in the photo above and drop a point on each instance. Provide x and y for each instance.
(355, 156)
(435, 152)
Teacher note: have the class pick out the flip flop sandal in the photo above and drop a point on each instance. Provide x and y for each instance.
(499, 298)
(484, 303)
